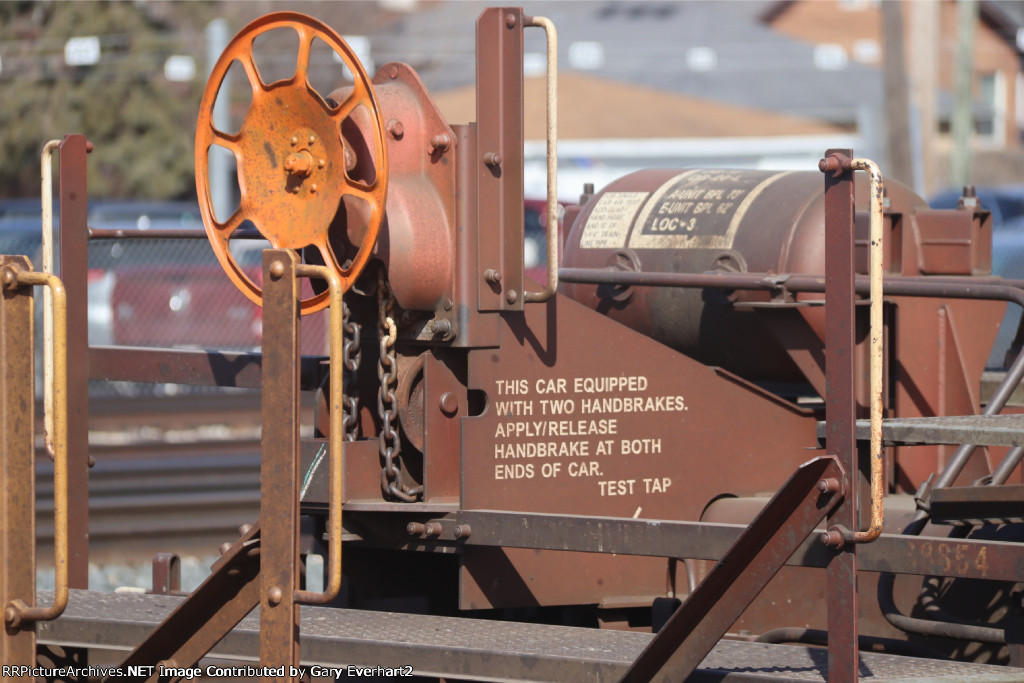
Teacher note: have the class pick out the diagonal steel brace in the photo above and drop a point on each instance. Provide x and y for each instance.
(813, 491)
(230, 592)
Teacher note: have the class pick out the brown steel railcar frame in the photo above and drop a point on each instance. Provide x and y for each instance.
(236, 584)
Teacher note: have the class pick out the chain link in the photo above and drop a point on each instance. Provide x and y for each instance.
(351, 355)
(387, 373)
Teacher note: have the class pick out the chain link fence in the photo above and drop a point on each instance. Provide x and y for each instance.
(154, 291)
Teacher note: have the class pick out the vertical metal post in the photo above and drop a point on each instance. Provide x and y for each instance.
(74, 265)
(279, 474)
(499, 115)
(840, 407)
(17, 467)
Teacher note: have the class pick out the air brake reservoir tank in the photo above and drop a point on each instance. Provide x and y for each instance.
(703, 220)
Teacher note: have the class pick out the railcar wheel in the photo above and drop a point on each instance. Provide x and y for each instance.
(295, 155)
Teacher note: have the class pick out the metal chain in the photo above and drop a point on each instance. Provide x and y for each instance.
(387, 373)
(351, 355)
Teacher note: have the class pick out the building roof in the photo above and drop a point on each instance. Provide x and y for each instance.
(717, 51)
(593, 108)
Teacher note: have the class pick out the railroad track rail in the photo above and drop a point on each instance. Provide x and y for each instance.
(173, 474)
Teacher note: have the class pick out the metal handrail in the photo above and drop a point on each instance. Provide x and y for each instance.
(875, 353)
(552, 154)
(18, 611)
(334, 473)
(46, 195)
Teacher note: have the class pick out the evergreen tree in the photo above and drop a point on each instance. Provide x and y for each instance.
(141, 125)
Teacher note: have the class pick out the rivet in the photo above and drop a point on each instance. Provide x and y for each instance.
(295, 140)
(510, 20)
(224, 547)
(312, 139)
(449, 403)
(275, 595)
(440, 142)
(393, 72)
(276, 270)
(512, 296)
(313, 188)
(396, 129)
(321, 163)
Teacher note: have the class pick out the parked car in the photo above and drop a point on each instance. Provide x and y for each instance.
(174, 293)
(535, 235)
(1006, 202)
(20, 235)
(1008, 262)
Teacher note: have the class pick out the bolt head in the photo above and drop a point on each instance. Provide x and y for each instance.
(833, 538)
(828, 485)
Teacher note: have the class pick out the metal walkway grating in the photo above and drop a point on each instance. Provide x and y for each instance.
(471, 649)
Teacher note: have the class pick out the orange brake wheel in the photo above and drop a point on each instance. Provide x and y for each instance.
(291, 155)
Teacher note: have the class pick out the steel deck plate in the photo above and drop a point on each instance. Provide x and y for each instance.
(981, 430)
(470, 649)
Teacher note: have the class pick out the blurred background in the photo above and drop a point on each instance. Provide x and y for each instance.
(934, 91)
